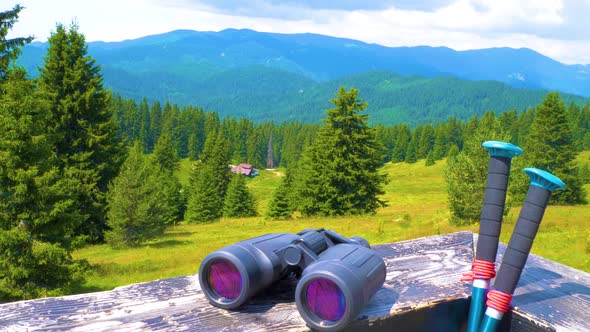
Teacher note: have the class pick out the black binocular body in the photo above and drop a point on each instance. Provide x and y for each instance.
(337, 275)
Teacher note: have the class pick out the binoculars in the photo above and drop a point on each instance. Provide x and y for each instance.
(337, 275)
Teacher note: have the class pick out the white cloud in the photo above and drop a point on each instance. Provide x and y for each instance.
(555, 28)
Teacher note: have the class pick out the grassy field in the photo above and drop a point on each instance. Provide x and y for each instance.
(417, 207)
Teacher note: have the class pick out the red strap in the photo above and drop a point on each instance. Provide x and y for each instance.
(499, 300)
(480, 269)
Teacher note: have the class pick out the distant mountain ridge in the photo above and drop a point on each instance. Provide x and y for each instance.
(219, 70)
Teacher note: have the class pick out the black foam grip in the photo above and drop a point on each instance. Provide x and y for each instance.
(522, 239)
(493, 208)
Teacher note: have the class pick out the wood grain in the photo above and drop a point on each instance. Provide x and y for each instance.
(422, 292)
(554, 293)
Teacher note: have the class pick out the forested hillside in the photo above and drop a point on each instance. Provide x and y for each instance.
(275, 77)
(323, 58)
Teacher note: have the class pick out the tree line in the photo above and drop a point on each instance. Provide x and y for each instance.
(268, 144)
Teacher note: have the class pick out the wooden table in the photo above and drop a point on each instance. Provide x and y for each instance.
(422, 292)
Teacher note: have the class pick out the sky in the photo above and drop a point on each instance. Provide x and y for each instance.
(556, 28)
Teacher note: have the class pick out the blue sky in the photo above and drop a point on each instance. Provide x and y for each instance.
(556, 28)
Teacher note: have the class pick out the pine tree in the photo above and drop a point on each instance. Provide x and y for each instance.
(82, 122)
(144, 125)
(280, 206)
(339, 173)
(466, 173)
(550, 147)
(426, 141)
(401, 144)
(455, 133)
(10, 48)
(412, 151)
(209, 180)
(37, 215)
(204, 203)
(256, 148)
(387, 136)
(138, 209)
(453, 151)
(441, 142)
(239, 202)
(155, 125)
(270, 160)
(166, 159)
(584, 173)
(430, 159)
(165, 153)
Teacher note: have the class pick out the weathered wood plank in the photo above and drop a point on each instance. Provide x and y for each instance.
(422, 274)
(552, 292)
(422, 292)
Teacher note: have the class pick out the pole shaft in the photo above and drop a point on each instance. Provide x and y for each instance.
(493, 208)
(522, 239)
(476, 308)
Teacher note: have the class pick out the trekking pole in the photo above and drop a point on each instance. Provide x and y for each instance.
(499, 299)
(483, 267)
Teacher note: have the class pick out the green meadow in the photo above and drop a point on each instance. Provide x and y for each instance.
(417, 207)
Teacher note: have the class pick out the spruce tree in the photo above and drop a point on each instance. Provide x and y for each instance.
(37, 215)
(166, 159)
(412, 151)
(239, 202)
(466, 172)
(256, 148)
(279, 206)
(441, 142)
(549, 147)
(82, 123)
(138, 209)
(455, 133)
(155, 125)
(144, 125)
(453, 151)
(209, 180)
(204, 202)
(401, 144)
(430, 159)
(426, 141)
(165, 152)
(10, 48)
(340, 171)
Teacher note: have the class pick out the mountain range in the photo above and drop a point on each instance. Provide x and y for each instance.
(269, 76)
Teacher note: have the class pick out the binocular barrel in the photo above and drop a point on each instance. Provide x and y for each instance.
(334, 289)
(233, 274)
(338, 275)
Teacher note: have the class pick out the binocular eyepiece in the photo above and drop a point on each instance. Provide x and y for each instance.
(338, 275)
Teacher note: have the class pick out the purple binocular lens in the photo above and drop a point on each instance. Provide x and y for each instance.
(325, 299)
(225, 279)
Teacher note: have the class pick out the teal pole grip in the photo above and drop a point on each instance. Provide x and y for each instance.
(502, 149)
(544, 179)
